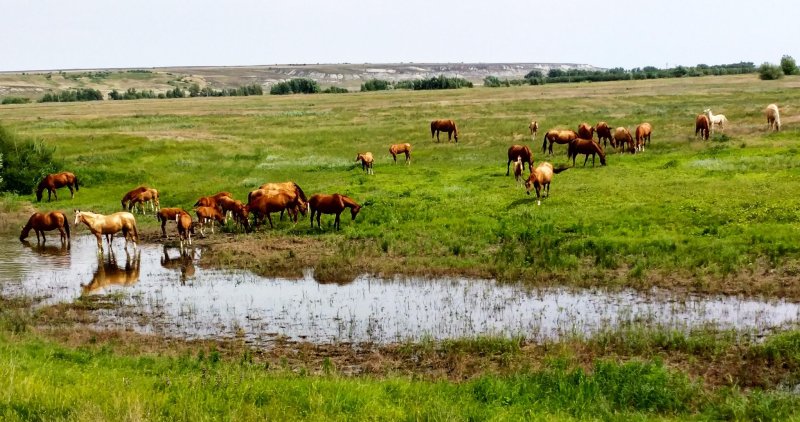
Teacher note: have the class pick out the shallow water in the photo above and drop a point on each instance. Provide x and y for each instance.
(166, 293)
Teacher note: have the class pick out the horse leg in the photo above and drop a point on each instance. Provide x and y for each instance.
(408, 158)
(99, 242)
(319, 225)
(508, 166)
(63, 235)
(44, 239)
(394, 157)
(269, 218)
(336, 223)
(164, 228)
(585, 160)
(71, 192)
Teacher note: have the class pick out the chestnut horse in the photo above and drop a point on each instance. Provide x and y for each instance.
(291, 188)
(586, 147)
(585, 131)
(701, 125)
(540, 178)
(273, 201)
(41, 222)
(51, 182)
(142, 199)
(207, 215)
(448, 126)
(108, 225)
(623, 136)
(185, 227)
(773, 117)
(534, 127)
(366, 161)
(400, 149)
(332, 204)
(132, 194)
(643, 132)
(558, 137)
(211, 201)
(519, 151)
(604, 134)
(519, 167)
(167, 214)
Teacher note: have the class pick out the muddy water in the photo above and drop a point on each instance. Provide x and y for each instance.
(164, 292)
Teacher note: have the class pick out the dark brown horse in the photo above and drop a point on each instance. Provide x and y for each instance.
(604, 134)
(521, 151)
(132, 194)
(401, 149)
(555, 136)
(586, 147)
(41, 222)
(585, 131)
(448, 126)
(51, 182)
(331, 204)
(167, 214)
(701, 126)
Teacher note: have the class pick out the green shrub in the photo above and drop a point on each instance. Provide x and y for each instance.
(788, 65)
(24, 163)
(335, 90)
(376, 85)
(769, 72)
(295, 86)
(72, 95)
(16, 100)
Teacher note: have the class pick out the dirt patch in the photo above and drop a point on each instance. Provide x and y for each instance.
(13, 216)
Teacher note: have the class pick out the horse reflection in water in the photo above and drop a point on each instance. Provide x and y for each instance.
(183, 262)
(49, 250)
(110, 273)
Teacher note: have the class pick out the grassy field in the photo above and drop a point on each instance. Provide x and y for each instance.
(707, 216)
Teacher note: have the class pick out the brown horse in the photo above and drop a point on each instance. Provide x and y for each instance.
(132, 194)
(533, 127)
(555, 136)
(400, 149)
(448, 126)
(623, 136)
(185, 227)
(142, 199)
(604, 134)
(643, 132)
(519, 167)
(585, 131)
(701, 126)
(586, 147)
(41, 222)
(206, 215)
(519, 151)
(184, 263)
(211, 201)
(291, 188)
(273, 201)
(51, 182)
(366, 161)
(108, 225)
(540, 178)
(332, 204)
(167, 214)
(109, 273)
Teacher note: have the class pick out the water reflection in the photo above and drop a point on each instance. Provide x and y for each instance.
(62, 249)
(184, 262)
(110, 273)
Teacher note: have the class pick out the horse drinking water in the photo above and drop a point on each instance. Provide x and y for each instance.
(51, 182)
(42, 222)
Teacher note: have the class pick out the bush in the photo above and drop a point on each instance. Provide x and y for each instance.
(768, 72)
(295, 86)
(335, 90)
(378, 85)
(788, 65)
(494, 82)
(16, 100)
(442, 82)
(71, 95)
(25, 163)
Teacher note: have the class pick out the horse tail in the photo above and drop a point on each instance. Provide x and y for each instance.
(544, 143)
(300, 192)
(66, 225)
(560, 169)
(76, 184)
(433, 128)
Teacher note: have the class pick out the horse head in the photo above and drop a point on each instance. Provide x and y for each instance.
(25, 231)
(77, 217)
(354, 211)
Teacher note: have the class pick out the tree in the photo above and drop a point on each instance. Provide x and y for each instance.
(768, 72)
(788, 65)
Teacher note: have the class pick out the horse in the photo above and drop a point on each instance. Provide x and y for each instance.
(623, 136)
(773, 117)
(701, 126)
(51, 182)
(366, 161)
(227, 204)
(132, 194)
(604, 134)
(167, 214)
(558, 137)
(585, 131)
(533, 127)
(540, 178)
(716, 119)
(211, 201)
(448, 126)
(643, 132)
(109, 273)
(332, 204)
(108, 225)
(185, 227)
(399, 149)
(519, 151)
(149, 196)
(275, 201)
(207, 215)
(519, 167)
(585, 147)
(291, 188)
(41, 222)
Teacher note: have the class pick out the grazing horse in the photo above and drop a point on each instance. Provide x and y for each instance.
(366, 161)
(448, 126)
(540, 178)
(167, 214)
(51, 182)
(400, 149)
(291, 188)
(623, 136)
(142, 199)
(585, 131)
(558, 137)
(643, 132)
(108, 225)
(519, 151)
(211, 201)
(41, 222)
(519, 167)
(773, 117)
(273, 201)
(227, 204)
(701, 126)
(132, 194)
(585, 147)
(207, 215)
(534, 127)
(332, 204)
(604, 134)
(716, 119)
(109, 273)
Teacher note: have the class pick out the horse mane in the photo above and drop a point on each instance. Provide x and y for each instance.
(300, 192)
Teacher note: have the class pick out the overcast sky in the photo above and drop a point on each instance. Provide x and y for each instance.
(58, 34)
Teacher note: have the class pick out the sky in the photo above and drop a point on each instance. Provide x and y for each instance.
(85, 34)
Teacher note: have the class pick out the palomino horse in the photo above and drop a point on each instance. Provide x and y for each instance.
(51, 182)
(206, 215)
(701, 126)
(519, 151)
(332, 204)
(142, 199)
(555, 136)
(400, 149)
(132, 194)
(623, 136)
(109, 273)
(41, 222)
(604, 134)
(448, 126)
(716, 119)
(366, 161)
(167, 214)
(108, 225)
(773, 117)
(273, 201)
(540, 178)
(643, 132)
(586, 147)
(585, 131)
(533, 127)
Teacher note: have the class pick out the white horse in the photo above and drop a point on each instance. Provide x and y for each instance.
(773, 117)
(716, 119)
